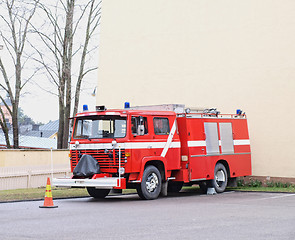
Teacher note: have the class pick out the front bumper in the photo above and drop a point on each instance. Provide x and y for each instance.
(100, 183)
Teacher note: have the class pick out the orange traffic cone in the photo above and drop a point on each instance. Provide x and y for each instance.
(48, 201)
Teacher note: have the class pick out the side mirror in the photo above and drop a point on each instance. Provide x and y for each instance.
(137, 126)
(140, 128)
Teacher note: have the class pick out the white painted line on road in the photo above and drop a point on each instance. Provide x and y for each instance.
(281, 196)
(228, 192)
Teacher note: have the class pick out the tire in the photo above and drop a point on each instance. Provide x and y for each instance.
(150, 186)
(220, 178)
(174, 187)
(98, 193)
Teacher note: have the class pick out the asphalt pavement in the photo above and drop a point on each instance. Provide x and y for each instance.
(187, 215)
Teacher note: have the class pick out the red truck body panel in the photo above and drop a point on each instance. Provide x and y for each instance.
(188, 152)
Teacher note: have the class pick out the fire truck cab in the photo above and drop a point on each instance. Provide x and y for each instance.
(157, 149)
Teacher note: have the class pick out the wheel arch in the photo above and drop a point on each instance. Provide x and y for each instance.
(226, 165)
(159, 163)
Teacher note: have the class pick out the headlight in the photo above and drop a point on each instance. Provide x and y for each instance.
(121, 171)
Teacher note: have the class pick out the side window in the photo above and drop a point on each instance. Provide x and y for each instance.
(136, 124)
(161, 126)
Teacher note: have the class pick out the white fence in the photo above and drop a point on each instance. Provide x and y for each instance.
(30, 168)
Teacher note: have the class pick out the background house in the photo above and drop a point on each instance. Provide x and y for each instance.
(34, 136)
(30, 142)
(6, 113)
(48, 130)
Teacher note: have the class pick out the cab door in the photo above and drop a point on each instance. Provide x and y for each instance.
(140, 140)
(167, 138)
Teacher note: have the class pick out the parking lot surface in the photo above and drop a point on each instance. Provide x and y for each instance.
(187, 215)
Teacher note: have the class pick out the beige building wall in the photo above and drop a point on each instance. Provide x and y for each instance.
(227, 54)
(30, 168)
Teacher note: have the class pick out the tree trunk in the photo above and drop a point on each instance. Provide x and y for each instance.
(67, 113)
(15, 103)
(15, 126)
(83, 57)
(4, 129)
(66, 71)
(60, 134)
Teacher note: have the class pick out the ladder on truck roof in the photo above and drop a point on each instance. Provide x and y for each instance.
(191, 112)
(177, 108)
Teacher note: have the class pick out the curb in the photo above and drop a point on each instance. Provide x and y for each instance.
(40, 199)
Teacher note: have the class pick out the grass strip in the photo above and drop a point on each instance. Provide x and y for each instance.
(39, 193)
(290, 189)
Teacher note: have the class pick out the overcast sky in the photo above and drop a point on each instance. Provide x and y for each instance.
(36, 102)
(42, 106)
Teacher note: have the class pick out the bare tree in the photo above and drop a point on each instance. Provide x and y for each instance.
(91, 26)
(3, 122)
(61, 36)
(16, 16)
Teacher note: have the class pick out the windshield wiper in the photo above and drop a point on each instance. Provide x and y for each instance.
(88, 138)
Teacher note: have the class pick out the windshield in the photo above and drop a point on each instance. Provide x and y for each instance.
(100, 127)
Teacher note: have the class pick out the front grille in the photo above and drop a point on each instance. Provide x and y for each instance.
(106, 161)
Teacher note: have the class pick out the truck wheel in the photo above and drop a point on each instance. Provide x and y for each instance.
(98, 193)
(220, 178)
(174, 187)
(150, 186)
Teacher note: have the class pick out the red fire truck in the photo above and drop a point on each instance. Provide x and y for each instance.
(157, 149)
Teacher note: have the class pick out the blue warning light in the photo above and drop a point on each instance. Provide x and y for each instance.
(127, 105)
(85, 107)
(239, 111)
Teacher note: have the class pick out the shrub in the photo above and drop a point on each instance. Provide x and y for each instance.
(255, 183)
(241, 183)
(270, 184)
